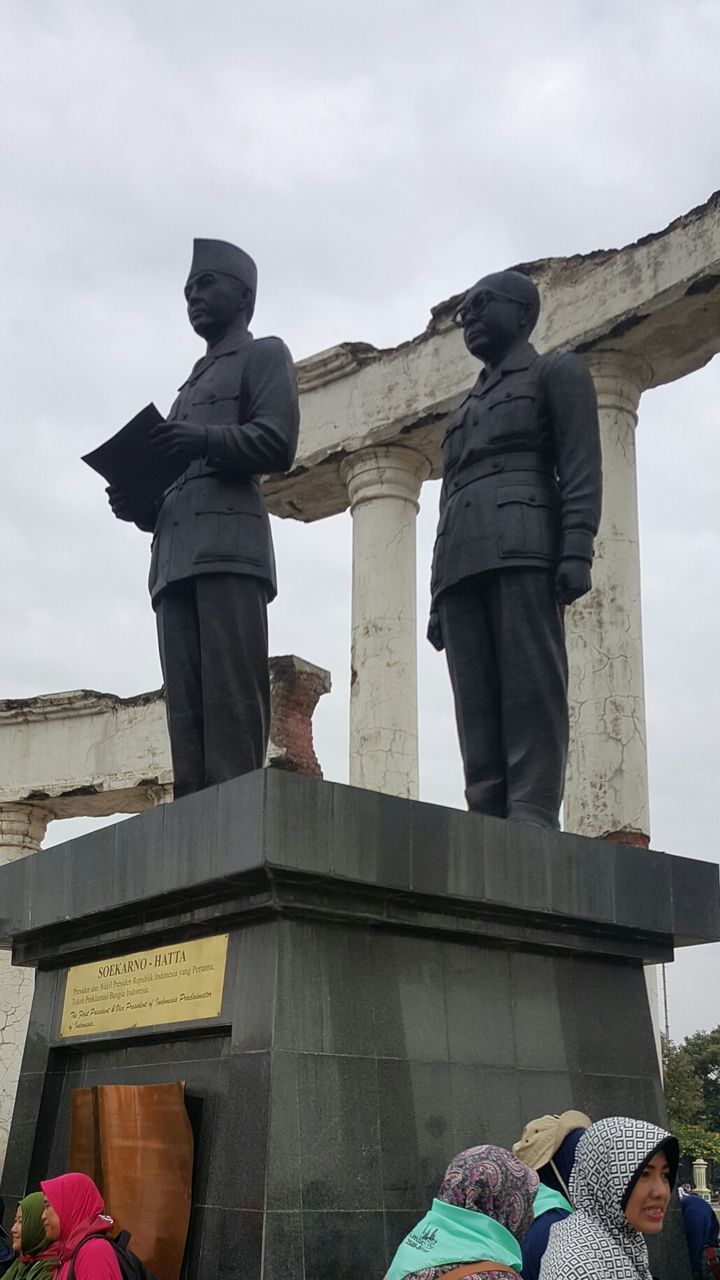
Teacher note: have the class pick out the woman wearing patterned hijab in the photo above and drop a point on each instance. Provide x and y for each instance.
(483, 1208)
(621, 1183)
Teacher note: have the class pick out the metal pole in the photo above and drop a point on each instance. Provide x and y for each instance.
(665, 1005)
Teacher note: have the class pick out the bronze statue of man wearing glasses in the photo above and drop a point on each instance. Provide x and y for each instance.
(519, 511)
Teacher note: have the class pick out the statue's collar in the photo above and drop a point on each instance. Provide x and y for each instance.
(229, 346)
(521, 356)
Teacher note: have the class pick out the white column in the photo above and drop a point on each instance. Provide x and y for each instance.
(22, 830)
(606, 790)
(384, 486)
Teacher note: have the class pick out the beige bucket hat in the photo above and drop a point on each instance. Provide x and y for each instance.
(542, 1137)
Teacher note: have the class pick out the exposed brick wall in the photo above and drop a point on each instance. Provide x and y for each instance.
(636, 838)
(296, 687)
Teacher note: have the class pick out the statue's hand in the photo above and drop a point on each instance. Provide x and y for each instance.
(434, 632)
(175, 439)
(572, 579)
(124, 508)
(121, 504)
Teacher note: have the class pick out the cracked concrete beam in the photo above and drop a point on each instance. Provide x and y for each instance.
(84, 753)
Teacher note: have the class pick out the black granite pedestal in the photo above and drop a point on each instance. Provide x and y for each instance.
(403, 981)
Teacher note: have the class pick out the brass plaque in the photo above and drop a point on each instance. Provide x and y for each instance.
(179, 983)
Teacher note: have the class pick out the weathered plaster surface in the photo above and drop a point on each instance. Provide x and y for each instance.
(606, 787)
(22, 829)
(16, 992)
(85, 753)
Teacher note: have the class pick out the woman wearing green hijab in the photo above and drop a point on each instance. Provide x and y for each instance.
(37, 1258)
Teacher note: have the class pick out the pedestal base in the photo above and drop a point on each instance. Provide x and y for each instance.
(402, 981)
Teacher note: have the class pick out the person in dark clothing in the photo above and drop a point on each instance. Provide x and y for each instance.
(519, 510)
(702, 1234)
(548, 1146)
(212, 569)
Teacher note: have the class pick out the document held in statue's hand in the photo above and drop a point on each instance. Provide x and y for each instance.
(129, 461)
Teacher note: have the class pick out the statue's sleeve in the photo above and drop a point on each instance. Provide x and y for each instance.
(265, 439)
(571, 405)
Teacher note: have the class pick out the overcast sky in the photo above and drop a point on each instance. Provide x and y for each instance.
(375, 159)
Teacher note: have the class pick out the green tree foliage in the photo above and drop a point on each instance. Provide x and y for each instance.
(683, 1087)
(692, 1093)
(697, 1142)
(703, 1052)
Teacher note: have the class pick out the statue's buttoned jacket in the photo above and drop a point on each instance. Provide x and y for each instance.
(213, 519)
(522, 478)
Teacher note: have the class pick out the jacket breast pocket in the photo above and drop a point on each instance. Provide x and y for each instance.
(513, 414)
(527, 521)
(452, 444)
(212, 409)
(230, 529)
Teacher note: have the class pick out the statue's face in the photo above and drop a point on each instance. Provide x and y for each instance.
(491, 323)
(214, 302)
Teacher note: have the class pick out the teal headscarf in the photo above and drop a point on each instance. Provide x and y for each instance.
(450, 1234)
(548, 1198)
(484, 1207)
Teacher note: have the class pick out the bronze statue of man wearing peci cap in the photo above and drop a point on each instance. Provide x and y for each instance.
(212, 569)
(519, 511)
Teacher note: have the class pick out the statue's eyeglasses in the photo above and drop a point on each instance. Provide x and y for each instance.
(475, 305)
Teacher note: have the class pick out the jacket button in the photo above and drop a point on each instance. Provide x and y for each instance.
(508, 395)
(497, 464)
(532, 498)
(467, 502)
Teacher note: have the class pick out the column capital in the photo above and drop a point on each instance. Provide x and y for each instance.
(22, 829)
(384, 471)
(620, 378)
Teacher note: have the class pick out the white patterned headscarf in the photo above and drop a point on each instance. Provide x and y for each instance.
(597, 1242)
